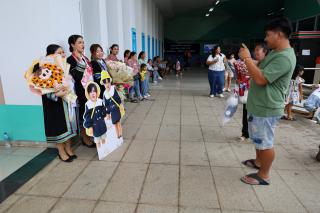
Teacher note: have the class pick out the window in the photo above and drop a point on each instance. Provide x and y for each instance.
(307, 24)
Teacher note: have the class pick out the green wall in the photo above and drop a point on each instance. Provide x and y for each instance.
(23, 123)
(300, 9)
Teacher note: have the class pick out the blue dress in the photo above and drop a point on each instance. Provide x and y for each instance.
(111, 106)
(97, 121)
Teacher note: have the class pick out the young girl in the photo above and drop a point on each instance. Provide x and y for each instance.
(260, 52)
(94, 115)
(229, 72)
(112, 102)
(178, 68)
(295, 95)
(143, 77)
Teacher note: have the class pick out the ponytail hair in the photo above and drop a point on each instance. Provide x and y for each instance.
(72, 40)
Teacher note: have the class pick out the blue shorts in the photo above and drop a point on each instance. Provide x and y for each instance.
(261, 131)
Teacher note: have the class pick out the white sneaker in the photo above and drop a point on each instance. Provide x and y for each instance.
(221, 95)
(148, 95)
(160, 78)
(211, 96)
(145, 97)
(224, 89)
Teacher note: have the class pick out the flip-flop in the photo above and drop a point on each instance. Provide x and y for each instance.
(250, 163)
(288, 119)
(255, 176)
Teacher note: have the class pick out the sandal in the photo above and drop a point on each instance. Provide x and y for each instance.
(259, 180)
(288, 119)
(251, 164)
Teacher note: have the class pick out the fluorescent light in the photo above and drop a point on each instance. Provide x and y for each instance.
(207, 14)
(211, 9)
(217, 2)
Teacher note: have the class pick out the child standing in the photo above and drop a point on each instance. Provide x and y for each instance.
(295, 95)
(178, 68)
(94, 114)
(144, 80)
(112, 102)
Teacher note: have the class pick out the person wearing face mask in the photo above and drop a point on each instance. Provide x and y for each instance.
(98, 64)
(81, 71)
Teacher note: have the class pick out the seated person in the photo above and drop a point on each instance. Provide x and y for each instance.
(313, 101)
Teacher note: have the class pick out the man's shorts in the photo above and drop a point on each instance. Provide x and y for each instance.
(261, 131)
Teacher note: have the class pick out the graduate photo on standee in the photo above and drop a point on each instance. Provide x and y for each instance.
(102, 118)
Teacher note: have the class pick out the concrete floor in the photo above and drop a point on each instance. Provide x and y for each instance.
(177, 157)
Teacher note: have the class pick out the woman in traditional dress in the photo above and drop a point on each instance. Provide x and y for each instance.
(81, 71)
(60, 126)
(98, 64)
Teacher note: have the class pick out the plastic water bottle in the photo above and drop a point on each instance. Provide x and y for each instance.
(6, 140)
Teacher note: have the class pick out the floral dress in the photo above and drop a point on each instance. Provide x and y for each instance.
(293, 96)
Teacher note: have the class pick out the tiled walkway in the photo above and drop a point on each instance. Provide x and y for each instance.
(178, 158)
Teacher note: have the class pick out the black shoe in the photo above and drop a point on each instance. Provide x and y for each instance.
(69, 160)
(93, 145)
(73, 157)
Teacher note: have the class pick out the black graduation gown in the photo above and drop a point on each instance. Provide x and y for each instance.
(58, 126)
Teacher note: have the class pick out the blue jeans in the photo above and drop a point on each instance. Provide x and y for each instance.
(261, 131)
(155, 75)
(144, 86)
(135, 89)
(216, 81)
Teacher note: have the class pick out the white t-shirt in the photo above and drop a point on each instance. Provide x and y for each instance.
(219, 66)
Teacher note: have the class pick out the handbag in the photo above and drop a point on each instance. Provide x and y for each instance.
(90, 134)
(120, 106)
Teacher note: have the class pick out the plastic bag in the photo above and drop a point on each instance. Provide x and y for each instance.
(231, 107)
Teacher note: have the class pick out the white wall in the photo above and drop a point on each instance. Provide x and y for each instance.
(128, 22)
(115, 18)
(29, 28)
(149, 26)
(94, 26)
(144, 21)
(138, 17)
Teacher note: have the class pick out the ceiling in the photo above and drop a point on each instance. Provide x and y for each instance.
(245, 8)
